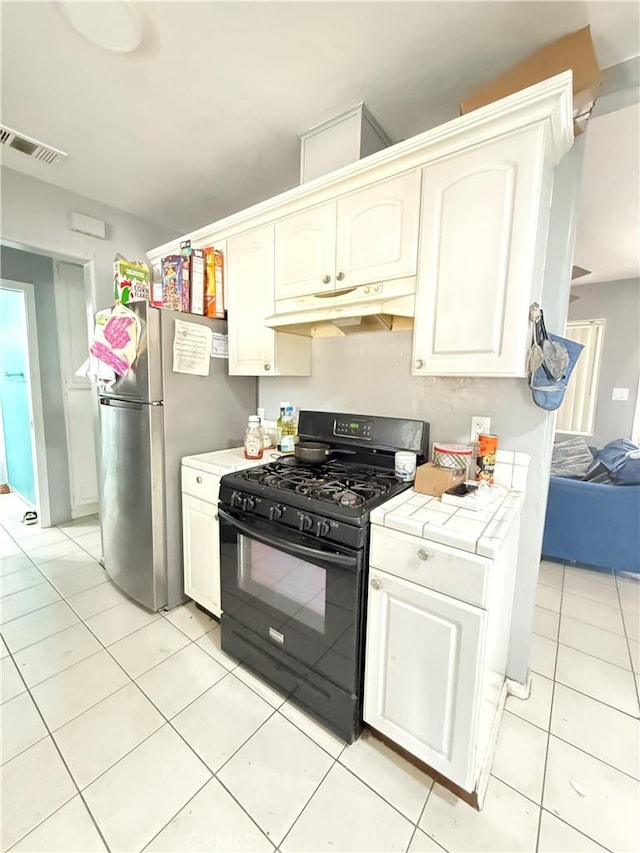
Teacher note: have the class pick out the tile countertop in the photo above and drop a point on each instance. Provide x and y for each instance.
(221, 462)
(479, 532)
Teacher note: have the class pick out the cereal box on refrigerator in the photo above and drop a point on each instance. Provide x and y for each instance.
(213, 283)
(130, 281)
(197, 281)
(185, 290)
(172, 268)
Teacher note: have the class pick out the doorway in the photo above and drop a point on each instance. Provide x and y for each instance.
(21, 397)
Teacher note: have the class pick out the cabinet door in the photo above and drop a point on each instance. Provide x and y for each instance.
(377, 232)
(201, 547)
(479, 254)
(250, 300)
(422, 673)
(306, 252)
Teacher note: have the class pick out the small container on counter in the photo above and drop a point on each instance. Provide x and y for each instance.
(253, 439)
(486, 459)
(405, 466)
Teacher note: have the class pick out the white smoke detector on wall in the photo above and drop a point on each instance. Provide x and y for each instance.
(114, 26)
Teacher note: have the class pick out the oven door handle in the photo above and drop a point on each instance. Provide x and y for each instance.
(289, 547)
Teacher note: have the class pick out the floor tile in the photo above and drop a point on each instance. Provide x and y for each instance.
(264, 691)
(117, 622)
(221, 720)
(555, 836)
(594, 590)
(80, 526)
(17, 581)
(592, 612)
(69, 830)
(96, 600)
(393, 777)
(508, 821)
(9, 548)
(191, 620)
(630, 614)
(211, 643)
(44, 538)
(137, 797)
(76, 560)
(77, 688)
(329, 741)
(543, 655)
(634, 649)
(346, 815)
(35, 784)
(605, 808)
(53, 552)
(596, 678)
(421, 843)
(147, 647)
(56, 653)
(11, 683)
(36, 626)
(22, 726)
(274, 775)
(28, 600)
(177, 681)
(537, 708)
(628, 590)
(546, 623)
(594, 641)
(14, 563)
(211, 821)
(601, 731)
(548, 597)
(529, 743)
(101, 736)
(3, 649)
(77, 579)
(89, 540)
(551, 574)
(603, 576)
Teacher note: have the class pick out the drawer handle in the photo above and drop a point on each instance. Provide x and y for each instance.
(198, 479)
(419, 364)
(375, 583)
(326, 279)
(340, 276)
(267, 367)
(423, 554)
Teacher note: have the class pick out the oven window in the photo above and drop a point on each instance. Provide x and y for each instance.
(290, 585)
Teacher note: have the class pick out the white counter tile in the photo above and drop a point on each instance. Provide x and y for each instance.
(221, 462)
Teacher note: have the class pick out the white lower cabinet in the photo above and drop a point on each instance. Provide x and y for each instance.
(201, 546)
(424, 660)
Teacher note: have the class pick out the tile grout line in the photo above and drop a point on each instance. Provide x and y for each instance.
(636, 681)
(416, 826)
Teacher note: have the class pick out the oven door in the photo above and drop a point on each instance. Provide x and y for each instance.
(297, 592)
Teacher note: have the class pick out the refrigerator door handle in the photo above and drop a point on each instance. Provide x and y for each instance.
(120, 404)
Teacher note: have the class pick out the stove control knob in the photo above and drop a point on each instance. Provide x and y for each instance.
(248, 503)
(322, 528)
(275, 512)
(304, 522)
(236, 499)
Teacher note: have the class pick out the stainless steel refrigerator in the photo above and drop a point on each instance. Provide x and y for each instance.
(149, 420)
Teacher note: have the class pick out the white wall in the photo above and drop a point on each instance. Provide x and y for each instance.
(35, 215)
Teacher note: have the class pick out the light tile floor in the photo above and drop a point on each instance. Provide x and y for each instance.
(124, 730)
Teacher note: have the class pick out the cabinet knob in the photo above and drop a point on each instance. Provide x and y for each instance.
(340, 276)
(326, 279)
(375, 583)
(216, 516)
(367, 289)
(419, 364)
(198, 479)
(267, 367)
(423, 554)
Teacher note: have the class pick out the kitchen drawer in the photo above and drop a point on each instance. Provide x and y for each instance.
(200, 484)
(449, 571)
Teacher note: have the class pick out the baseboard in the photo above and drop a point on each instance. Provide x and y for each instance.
(485, 770)
(519, 689)
(82, 511)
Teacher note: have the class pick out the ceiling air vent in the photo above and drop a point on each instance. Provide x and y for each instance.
(31, 147)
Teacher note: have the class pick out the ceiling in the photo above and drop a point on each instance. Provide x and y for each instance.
(202, 119)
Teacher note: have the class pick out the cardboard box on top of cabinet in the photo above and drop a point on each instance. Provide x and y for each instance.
(433, 480)
(573, 52)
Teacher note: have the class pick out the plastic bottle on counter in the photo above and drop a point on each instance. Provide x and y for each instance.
(279, 424)
(253, 440)
(287, 441)
(266, 443)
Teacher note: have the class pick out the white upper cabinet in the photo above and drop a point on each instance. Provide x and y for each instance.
(377, 236)
(255, 349)
(484, 224)
(366, 236)
(306, 251)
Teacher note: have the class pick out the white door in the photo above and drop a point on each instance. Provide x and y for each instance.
(77, 392)
(422, 673)
(377, 232)
(479, 225)
(250, 299)
(306, 252)
(201, 550)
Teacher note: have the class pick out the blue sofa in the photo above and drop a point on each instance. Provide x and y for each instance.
(597, 524)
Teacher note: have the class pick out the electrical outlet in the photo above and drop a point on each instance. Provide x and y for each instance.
(480, 425)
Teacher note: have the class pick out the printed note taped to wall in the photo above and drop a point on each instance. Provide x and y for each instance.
(219, 346)
(191, 348)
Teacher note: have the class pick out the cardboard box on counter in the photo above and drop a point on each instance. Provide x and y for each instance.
(573, 52)
(433, 480)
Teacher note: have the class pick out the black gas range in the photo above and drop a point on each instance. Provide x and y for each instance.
(294, 542)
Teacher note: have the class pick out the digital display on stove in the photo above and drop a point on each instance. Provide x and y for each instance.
(353, 429)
